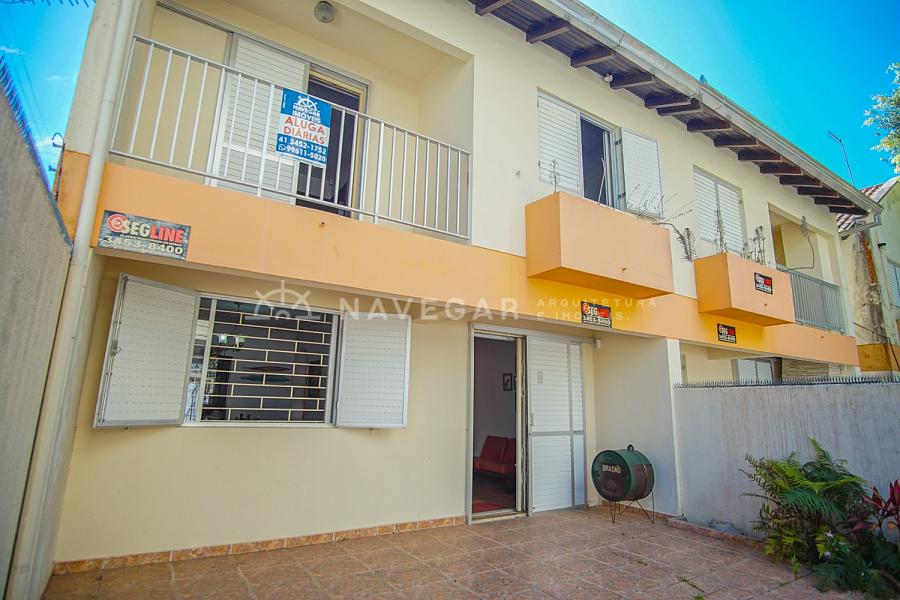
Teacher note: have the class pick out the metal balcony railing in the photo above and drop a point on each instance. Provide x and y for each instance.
(218, 125)
(816, 302)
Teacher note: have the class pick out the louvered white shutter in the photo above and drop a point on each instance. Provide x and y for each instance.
(147, 356)
(705, 189)
(374, 371)
(895, 282)
(558, 146)
(246, 105)
(713, 196)
(643, 184)
(732, 217)
(556, 432)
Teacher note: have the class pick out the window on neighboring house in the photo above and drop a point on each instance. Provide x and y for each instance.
(720, 212)
(894, 276)
(176, 355)
(757, 370)
(577, 154)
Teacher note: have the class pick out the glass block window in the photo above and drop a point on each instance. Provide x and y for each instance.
(258, 362)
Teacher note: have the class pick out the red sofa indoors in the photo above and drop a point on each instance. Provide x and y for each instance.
(498, 456)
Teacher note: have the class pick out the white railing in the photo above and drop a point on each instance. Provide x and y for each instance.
(816, 302)
(182, 112)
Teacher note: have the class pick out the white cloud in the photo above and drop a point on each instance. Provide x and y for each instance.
(9, 50)
(60, 78)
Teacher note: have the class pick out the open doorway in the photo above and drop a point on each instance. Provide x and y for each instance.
(496, 445)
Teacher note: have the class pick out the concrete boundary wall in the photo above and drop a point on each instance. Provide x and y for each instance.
(35, 257)
(717, 427)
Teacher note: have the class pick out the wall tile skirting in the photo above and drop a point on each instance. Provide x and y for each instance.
(146, 558)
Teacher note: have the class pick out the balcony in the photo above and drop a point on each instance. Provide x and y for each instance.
(579, 242)
(734, 287)
(195, 118)
(816, 302)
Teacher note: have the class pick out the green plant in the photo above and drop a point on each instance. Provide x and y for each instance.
(866, 554)
(800, 499)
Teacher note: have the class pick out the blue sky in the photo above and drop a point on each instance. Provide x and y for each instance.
(800, 66)
(42, 43)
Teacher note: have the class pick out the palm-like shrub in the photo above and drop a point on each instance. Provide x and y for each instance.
(800, 499)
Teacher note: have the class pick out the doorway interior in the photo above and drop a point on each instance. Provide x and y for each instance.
(496, 424)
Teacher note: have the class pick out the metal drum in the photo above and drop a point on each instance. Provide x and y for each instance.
(622, 475)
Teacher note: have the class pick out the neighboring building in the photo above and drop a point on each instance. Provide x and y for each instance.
(515, 171)
(872, 258)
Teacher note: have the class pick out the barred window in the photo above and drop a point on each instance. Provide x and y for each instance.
(258, 362)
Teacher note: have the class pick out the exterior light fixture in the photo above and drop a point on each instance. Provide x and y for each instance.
(324, 12)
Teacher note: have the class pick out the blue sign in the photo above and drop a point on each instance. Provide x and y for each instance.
(304, 128)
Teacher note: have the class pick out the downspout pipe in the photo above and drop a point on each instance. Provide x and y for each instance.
(60, 389)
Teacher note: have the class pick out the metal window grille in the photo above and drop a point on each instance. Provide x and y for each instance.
(257, 362)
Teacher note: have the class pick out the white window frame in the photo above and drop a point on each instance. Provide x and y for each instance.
(894, 276)
(614, 150)
(330, 395)
(718, 181)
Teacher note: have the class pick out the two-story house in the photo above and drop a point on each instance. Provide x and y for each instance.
(354, 267)
(872, 260)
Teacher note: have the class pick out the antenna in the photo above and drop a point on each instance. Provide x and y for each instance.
(833, 136)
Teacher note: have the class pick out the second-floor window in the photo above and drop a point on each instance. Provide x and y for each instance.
(248, 122)
(719, 212)
(894, 277)
(579, 154)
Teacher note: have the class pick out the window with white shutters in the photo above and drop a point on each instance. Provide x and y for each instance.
(894, 277)
(374, 371)
(559, 158)
(175, 355)
(719, 202)
(145, 369)
(248, 105)
(754, 370)
(643, 183)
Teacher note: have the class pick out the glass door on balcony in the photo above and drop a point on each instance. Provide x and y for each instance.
(333, 184)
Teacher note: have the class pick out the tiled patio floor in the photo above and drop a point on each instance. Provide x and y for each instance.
(566, 554)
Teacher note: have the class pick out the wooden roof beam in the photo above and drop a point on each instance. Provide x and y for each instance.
(759, 156)
(658, 101)
(831, 202)
(817, 191)
(486, 7)
(735, 142)
(585, 58)
(621, 82)
(717, 125)
(693, 107)
(545, 31)
(799, 180)
(780, 169)
(847, 210)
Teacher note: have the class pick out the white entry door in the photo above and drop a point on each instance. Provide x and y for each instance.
(556, 424)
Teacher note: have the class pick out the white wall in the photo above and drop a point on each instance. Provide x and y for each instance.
(495, 410)
(633, 379)
(716, 427)
(157, 488)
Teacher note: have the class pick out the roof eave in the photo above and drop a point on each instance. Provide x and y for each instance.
(651, 61)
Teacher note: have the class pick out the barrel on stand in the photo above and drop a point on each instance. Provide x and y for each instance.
(622, 475)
